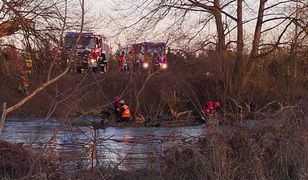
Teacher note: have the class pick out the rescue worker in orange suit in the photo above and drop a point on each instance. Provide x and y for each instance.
(124, 111)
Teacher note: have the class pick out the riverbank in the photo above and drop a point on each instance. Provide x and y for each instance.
(171, 92)
(274, 149)
(104, 123)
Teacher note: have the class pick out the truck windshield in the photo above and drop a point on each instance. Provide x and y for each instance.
(84, 42)
(156, 48)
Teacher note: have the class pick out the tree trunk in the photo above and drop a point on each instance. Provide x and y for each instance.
(2, 120)
(256, 41)
(216, 11)
(240, 44)
(221, 46)
(240, 40)
(257, 35)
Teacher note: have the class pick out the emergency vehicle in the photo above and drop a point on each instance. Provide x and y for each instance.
(88, 50)
(148, 54)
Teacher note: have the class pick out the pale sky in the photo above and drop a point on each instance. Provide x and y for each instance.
(105, 11)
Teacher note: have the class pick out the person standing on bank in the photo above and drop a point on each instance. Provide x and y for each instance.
(103, 63)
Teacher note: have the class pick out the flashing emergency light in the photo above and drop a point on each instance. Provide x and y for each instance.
(71, 34)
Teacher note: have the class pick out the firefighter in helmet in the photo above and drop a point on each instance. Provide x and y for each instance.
(124, 112)
(103, 63)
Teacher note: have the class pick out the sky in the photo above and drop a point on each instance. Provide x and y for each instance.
(108, 17)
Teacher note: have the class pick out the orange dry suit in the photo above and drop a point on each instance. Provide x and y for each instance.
(125, 111)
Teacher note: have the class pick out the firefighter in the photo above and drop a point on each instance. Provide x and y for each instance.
(124, 112)
(130, 60)
(85, 58)
(139, 61)
(13, 56)
(117, 55)
(24, 82)
(126, 62)
(121, 61)
(210, 108)
(103, 63)
(116, 107)
(28, 61)
(24, 71)
(54, 54)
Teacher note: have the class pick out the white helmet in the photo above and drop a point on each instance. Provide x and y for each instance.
(122, 101)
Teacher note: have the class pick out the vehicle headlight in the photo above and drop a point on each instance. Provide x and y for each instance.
(164, 66)
(145, 65)
(93, 61)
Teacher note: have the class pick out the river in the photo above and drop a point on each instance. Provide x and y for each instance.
(80, 146)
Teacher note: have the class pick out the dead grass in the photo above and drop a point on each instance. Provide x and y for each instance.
(15, 160)
(274, 149)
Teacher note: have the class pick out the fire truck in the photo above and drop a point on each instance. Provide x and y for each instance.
(148, 54)
(88, 50)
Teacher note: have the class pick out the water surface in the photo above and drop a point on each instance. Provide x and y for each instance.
(75, 146)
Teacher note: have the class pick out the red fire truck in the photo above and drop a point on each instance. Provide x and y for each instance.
(88, 50)
(153, 54)
(148, 54)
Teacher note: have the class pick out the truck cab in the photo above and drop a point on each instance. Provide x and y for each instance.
(153, 53)
(87, 50)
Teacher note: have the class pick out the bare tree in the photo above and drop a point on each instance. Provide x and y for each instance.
(240, 31)
(12, 8)
(176, 20)
(258, 28)
(246, 36)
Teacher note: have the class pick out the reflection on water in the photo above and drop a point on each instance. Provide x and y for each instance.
(125, 148)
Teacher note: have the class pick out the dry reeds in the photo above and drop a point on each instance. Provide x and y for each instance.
(15, 161)
(275, 148)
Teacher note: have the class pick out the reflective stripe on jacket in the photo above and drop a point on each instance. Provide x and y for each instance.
(126, 112)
